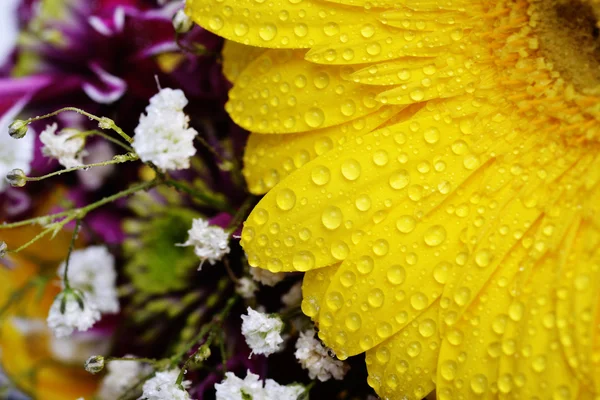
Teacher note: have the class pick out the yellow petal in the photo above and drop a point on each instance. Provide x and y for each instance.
(270, 158)
(314, 285)
(236, 57)
(345, 178)
(281, 24)
(274, 95)
(404, 367)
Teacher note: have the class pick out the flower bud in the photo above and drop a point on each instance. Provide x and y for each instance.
(94, 364)
(181, 22)
(106, 123)
(3, 248)
(17, 129)
(202, 354)
(16, 178)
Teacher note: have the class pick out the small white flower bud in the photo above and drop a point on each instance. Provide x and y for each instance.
(3, 248)
(17, 129)
(106, 123)
(181, 22)
(202, 354)
(16, 178)
(94, 364)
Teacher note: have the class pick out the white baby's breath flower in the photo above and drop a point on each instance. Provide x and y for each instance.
(316, 358)
(251, 387)
(65, 146)
(163, 135)
(163, 386)
(72, 310)
(292, 297)
(121, 376)
(234, 388)
(210, 242)
(92, 270)
(266, 277)
(262, 332)
(275, 391)
(246, 287)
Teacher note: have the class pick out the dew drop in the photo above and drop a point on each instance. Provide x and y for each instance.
(396, 274)
(448, 370)
(375, 298)
(432, 135)
(353, 322)
(314, 117)
(380, 158)
(479, 384)
(267, 32)
(351, 169)
(285, 199)
(348, 108)
(303, 261)
(483, 258)
(365, 265)
(260, 216)
(339, 250)
(334, 301)
(381, 247)
(363, 202)
(435, 235)
(418, 301)
(241, 29)
(399, 179)
(331, 217)
(320, 175)
(406, 224)
(215, 23)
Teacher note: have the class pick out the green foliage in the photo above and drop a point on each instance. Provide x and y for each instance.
(155, 265)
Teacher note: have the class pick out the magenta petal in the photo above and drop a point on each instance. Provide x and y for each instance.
(107, 89)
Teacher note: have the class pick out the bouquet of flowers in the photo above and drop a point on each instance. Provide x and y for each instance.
(284, 199)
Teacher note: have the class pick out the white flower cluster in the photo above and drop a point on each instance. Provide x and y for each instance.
(251, 387)
(316, 358)
(210, 242)
(266, 277)
(262, 332)
(92, 278)
(66, 147)
(92, 270)
(246, 287)
(163, 386)
(121, 376)
(72, 310)
(163, 135)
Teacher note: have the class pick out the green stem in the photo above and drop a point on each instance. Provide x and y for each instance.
(104, 122)
(78, 213)
(71, 246)
(197, 195)
(206, 329)
(120, 160)
(152, 361)
(110, 139)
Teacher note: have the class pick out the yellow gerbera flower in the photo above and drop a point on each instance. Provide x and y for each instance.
(434, 167)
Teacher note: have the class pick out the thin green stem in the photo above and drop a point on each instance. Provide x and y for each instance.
(119, 160)
(71, 247)
(197, 195)
(109, 138)
(152, 361)
(240, 214)
(103, 121)
(207, 328)
(79, 213)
